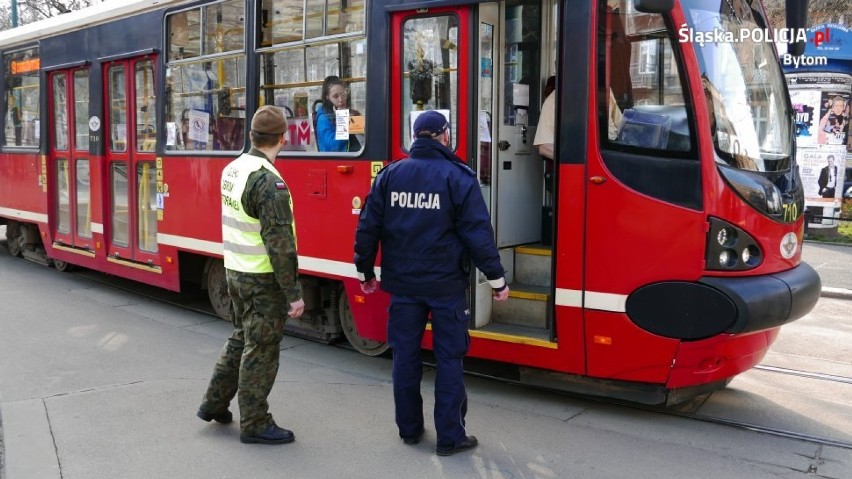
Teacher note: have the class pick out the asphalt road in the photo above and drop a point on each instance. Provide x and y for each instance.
(102, 383)
(833, 263)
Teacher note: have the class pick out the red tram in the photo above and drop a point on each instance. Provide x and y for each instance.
(661, 263)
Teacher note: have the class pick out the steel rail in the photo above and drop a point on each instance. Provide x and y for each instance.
(804, 374)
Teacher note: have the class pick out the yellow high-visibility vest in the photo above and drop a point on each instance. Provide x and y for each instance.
(244, 248)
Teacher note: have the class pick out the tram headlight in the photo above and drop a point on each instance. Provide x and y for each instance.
(726, 236)
(728, 258)
(773, 199)
(756, 190)
(729, 248)
(750, 255)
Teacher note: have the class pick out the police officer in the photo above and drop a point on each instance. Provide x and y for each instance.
(429, 215)
(259, 237)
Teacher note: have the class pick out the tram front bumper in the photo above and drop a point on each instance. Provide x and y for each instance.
(769, 301)
(693, 311)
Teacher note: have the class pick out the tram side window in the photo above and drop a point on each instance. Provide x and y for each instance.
(640, 90)
(341, 16)
(146, 179)
(22, 126)
(292, 75)
(205, 78)
(60, 113)
(146, 132)
(429, 70)
(120, 214)
(81, 110)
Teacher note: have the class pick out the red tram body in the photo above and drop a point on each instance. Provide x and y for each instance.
(662, 263)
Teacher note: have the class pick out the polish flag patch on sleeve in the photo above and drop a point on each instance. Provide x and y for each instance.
(280, 185)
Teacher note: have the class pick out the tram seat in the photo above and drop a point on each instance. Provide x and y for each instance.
(655, 126)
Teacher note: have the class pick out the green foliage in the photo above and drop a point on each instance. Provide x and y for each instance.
(819, 11)
(843, 233)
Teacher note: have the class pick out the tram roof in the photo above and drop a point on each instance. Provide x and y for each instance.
(68, 22)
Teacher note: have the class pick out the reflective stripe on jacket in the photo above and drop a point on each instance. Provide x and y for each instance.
(244, 248)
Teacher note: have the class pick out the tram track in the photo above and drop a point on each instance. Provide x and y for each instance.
(804, 374)
(770, 431)
(673, 412)
(179, 302)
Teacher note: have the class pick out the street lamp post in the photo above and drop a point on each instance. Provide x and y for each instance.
(14, 13)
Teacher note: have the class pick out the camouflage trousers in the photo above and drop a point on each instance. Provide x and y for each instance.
(248, 364)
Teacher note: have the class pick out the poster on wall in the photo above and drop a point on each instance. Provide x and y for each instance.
(822, 170)
(806, 105)
(833, 127)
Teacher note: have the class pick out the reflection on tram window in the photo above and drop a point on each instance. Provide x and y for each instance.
(641, 92)
(205, 86)
(146, 180)
(120, 221)
(23, 94)
(429, 70)
(81, 110)
(84, 200)
(63, 201)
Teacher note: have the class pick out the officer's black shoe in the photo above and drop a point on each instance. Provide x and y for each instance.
(272, 435)
(220, 417)
(412, 440)
(466, 444)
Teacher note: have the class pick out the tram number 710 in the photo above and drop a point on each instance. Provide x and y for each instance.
(791, 211)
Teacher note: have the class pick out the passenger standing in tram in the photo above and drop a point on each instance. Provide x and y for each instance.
(259, 236)
(334, 97)
(429, 215)
(545, 134)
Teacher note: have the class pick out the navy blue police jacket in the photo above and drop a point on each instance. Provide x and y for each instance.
(428, 213)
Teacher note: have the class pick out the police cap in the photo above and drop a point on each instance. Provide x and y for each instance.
(430, 124)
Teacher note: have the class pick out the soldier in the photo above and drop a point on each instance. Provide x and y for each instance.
(259, 237)
(429, 215)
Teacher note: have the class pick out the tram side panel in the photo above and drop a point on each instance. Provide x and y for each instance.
(23, 192)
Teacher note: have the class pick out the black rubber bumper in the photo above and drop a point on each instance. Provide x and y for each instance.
(769, 301)
(714, 305)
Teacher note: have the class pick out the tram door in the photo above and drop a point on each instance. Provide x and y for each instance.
(480, 66)
(69, 159)
(512, 88)
(507, 69)
(130, 131)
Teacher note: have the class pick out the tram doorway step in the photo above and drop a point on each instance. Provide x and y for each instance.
(529, 290)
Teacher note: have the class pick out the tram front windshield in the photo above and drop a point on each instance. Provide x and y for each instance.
(743, 84)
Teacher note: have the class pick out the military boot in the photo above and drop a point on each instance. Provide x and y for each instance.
(272, 435)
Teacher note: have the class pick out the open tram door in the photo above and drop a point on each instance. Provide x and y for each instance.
(481, 65)
(130, 131)
(70, 165)
(509, 77)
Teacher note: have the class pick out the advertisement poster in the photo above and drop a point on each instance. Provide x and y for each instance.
(806, 104)
(822, 171)
(833, 125)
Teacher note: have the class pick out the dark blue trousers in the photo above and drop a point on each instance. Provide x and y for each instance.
(407, 322)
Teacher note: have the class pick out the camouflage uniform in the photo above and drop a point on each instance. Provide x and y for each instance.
(259, 305)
